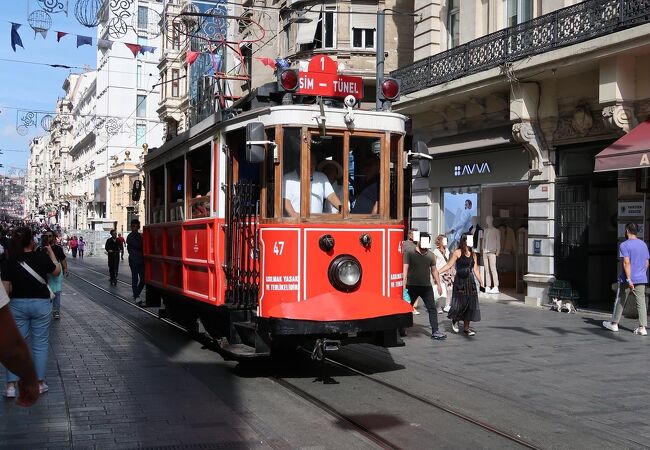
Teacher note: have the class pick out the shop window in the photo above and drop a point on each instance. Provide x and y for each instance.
(291, 172)
(157, 189)
(200, 167)
(453, 23)
(176, 190)
(365, 171)
(326, 174)
(461, 208)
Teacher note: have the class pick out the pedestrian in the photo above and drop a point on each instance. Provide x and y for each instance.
(409, 246)
(81, 247)
(74, 245)
(441, 252)
(136, 260)
(14, 355)
(419, 267)
(23, 276)
(56, 282)
(464, 297)
(122, 242)
(632, 281)
(112, 247)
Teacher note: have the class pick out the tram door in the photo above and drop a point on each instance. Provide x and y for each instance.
(242, 218)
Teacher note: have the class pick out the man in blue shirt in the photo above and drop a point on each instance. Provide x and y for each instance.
(633, 279)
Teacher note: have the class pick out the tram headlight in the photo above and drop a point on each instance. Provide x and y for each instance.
(345, 273)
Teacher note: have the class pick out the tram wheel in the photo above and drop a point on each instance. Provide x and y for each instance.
(215, 324)
(182, 313)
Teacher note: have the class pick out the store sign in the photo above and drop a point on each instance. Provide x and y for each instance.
(631, 209)
(472, 169)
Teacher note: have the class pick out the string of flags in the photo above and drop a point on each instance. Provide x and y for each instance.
(104, 44)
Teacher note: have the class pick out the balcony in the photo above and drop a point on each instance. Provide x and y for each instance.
(567, 26)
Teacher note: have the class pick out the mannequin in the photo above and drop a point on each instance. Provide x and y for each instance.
(491, 250)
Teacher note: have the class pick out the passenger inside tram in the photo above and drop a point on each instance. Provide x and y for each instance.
(368, 199)
(321, 191)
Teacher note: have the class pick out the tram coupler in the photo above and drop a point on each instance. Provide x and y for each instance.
(324, 345)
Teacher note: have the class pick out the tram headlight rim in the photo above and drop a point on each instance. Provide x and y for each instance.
(334, 273)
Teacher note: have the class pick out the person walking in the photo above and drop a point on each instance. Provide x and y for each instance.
(112, 247)
(136, 260)
(441, 252)
(81, 247)
(23, 276)
(14, 355)
(74, 245)
(122, 242)
(632, 281)
(464, 297)
(419, 267)
(56, 282)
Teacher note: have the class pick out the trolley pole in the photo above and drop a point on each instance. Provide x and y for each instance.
(379, 75)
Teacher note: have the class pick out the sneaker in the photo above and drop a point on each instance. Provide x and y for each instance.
(454, 326)
(469, 332)
(495, 291)
(139, 303)
(440, 311)
(610, 326)
(56, 315)
(10, 392)
(446, 308)
(416, 312)
(438, 336)
(42, 387)
(642, 332)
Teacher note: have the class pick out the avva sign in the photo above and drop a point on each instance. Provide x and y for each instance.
(472, 169)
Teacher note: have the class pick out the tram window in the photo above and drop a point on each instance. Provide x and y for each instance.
(158, 195)
(365, 167)
(394, 175)
(291, 172)
(326, 157)
(269, 165)
(176, 189)
(200, 164)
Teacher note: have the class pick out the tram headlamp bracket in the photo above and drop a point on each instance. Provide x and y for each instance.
(345, 273)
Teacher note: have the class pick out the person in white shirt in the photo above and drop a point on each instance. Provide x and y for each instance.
(334, 172)
(321, 190)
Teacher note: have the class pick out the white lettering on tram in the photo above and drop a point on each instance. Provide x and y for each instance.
(306, 83)
(345, 87)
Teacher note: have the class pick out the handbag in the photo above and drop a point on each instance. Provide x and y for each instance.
(40, 279)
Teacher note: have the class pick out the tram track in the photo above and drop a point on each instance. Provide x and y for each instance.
(329, 409)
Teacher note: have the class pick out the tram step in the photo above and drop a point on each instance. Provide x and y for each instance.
(242, 351)
(249, 334)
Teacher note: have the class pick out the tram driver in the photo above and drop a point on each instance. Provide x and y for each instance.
(321, 190)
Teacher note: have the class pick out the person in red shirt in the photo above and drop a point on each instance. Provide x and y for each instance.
(122, 241)
(74, 244)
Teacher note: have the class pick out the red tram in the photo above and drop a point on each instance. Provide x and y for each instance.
(280, 225)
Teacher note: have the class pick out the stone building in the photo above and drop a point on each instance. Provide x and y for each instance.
(514, 100)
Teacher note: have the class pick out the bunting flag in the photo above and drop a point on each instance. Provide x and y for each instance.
(267, 62)
(190, 57)
(135, 48)
(145, 48)
(15, 37)
(41, 31)
(104, 44)
(59, 35)
(84, 40)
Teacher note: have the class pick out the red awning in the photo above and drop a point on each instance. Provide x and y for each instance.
(632, 151)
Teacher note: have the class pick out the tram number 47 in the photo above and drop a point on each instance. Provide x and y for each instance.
(278, 247)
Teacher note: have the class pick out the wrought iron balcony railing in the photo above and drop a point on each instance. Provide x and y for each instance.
(566, 26)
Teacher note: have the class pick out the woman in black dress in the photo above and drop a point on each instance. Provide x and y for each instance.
(464, 299)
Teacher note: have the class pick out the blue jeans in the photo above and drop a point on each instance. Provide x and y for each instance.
(137, 278)
(33, 317)
(56, 302)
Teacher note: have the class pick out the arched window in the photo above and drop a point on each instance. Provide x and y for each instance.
(453, 23)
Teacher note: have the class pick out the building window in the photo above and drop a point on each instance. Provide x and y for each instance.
(363, 38)
(453, 23)
(142, 40)
(176, 39)
(518, 11)
(140, 80)
(320, 32)
(363, 23)
(175, 83)
(140, 133)
(141, 106)
(143, 17)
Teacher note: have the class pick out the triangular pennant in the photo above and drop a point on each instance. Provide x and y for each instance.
(84, 40)
(267, 62)
(190, 57)
(59, 35)
(135, 48)
(104, 44)
(145, 48)
(15, 37)
(42, 32)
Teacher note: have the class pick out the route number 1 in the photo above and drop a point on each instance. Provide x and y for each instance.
(278, 247)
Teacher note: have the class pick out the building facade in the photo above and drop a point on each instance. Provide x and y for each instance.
(514, 99)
